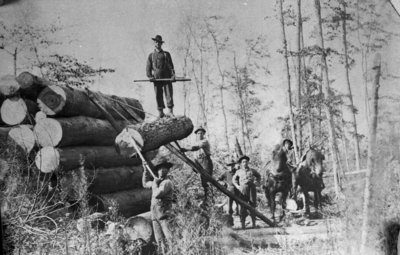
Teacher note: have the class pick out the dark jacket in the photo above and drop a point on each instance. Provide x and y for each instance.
(159, 65)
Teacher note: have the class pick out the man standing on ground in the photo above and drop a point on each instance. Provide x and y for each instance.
(161, 203)
(227, 177)
(245, 181)
(159, 66)
(203, 157)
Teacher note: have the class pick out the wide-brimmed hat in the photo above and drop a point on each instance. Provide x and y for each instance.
(165, 164)
(158, 38)
(198, 129)
(243, 157)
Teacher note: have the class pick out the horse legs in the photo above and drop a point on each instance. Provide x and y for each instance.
(306, 202)
(273, 204)
(284, 197)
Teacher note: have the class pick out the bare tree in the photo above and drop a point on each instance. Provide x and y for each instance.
(289, 93)
(376, 68)
(299, 77)
(326, 94)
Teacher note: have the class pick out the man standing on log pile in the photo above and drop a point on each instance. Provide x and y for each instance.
(203, 157)
(159, 66)
(161, 203)
(244, 180)
(227, 177)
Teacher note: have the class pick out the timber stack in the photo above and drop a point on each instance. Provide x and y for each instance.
(67, 133)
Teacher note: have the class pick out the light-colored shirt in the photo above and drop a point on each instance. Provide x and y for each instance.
(204, 149)
(245, 176)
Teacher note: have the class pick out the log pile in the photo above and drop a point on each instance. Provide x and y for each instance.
(64, 131)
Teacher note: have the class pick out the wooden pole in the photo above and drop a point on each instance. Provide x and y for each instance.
(198, 169)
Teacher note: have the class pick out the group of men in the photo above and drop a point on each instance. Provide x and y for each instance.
(240, 178)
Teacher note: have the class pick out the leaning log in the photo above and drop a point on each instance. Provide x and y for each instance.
(68, 102)
(73, 131)
(108, 180)
(50, 159)
(152, 135)
(16, 111)
(8, 85)
(23, 137)
(128, 203)
(31, 85)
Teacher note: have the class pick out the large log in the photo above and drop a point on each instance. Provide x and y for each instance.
(152, 135)
(50, 159)
(68, 102)
(74, 131)
(8, 85)
(129, 202)
(23, 137)
(108, 180)
(16, 111)
(31, 85)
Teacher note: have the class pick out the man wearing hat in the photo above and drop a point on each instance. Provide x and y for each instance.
(159, 66)
(227, 177)
(245, 181)
(161, 202)
(287, 148)
(202, 156)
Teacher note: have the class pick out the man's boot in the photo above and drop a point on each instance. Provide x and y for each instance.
(170, 112)
(161, 113)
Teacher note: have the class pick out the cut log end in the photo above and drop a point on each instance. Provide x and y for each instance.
(40, 116)
(8, 85)
(48, 132)
(47, 159)
(52, 100)
(23, 137)
(124, 142)
(138, 227)
(13, 111)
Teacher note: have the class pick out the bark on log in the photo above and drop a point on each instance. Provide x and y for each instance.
(23, 137)
(4, 133)
(16, 111)
(129, 202)
(138, 227)
(151, 135)
(74, 131)
(108, 180)
(50, 159)
(8, 85)
(31, 85)
(68, 102)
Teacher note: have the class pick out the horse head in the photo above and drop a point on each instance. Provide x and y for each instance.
(313, 160)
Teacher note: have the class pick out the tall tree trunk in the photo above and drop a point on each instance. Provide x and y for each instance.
(240, 105)
(376, 68)
(299, 78)
(289, 93)
(326, 92)
(349, 92)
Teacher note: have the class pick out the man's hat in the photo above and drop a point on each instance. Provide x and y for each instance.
(158, 38)
(243, 157)
(199, 128)
(165, 164)
(287, 140)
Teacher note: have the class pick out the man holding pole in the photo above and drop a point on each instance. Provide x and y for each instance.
(161, 202)
(159, 66)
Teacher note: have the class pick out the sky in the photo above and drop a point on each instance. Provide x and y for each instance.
(117, 34)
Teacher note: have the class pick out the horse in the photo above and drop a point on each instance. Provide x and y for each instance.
(308, 175)
(278, 180)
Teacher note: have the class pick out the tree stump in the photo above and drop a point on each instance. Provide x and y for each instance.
(138, 227)
(151, 135)
(68, 102)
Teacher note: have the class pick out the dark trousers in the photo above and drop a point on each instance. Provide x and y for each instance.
(164, 88)
(249, 194)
